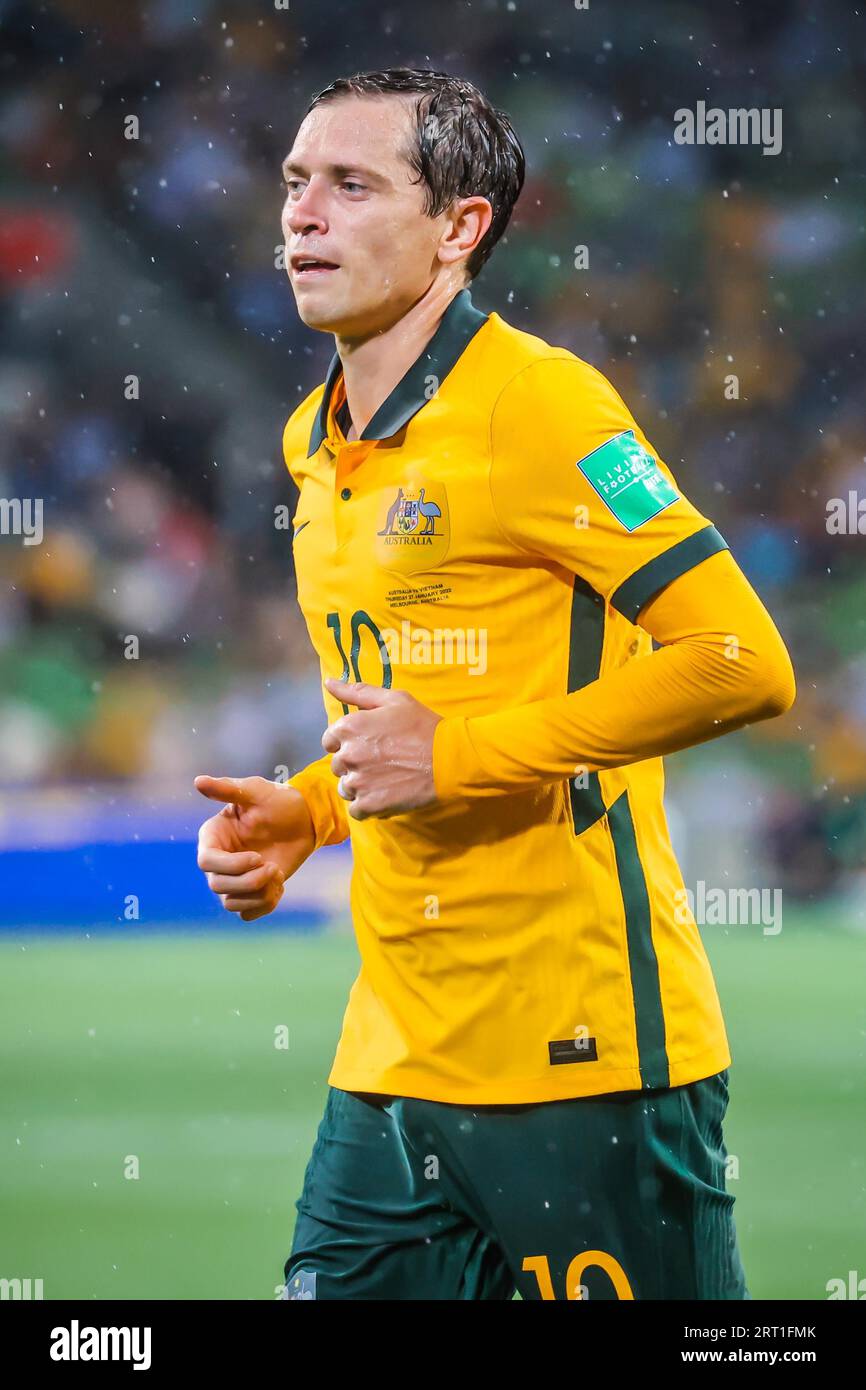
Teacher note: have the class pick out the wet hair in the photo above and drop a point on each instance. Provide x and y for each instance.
(461, 147)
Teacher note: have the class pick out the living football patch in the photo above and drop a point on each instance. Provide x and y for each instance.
(628, 480)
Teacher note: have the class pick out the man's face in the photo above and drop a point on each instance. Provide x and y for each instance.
(360, 250)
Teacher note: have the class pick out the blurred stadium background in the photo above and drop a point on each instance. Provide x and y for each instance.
(135, 1020)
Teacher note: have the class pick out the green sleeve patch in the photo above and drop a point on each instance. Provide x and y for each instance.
(628, 480)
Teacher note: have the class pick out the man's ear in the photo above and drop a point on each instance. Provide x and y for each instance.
(468, 223)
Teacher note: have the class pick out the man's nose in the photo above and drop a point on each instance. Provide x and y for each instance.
(306, 213)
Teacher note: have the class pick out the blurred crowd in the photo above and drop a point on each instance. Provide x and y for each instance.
(151, 354)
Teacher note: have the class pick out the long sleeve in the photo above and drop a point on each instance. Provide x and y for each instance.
(573, 480)
(722, 664)
(318, 786)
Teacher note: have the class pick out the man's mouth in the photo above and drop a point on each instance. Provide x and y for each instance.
(311, 267)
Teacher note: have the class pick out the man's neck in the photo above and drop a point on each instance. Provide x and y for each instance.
(373, 366)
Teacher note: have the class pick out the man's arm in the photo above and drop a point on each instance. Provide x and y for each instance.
(722, 664)
(318, 786)
(265, 832)
(587, 490)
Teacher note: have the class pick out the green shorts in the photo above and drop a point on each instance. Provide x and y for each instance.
(602, 1197)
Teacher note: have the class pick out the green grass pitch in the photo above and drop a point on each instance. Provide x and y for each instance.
(163, 1049)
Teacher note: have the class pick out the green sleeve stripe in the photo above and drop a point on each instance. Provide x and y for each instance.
(586, 640)
(645, 583)
(643, 964)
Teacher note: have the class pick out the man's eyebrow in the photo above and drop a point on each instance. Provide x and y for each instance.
(339, 171)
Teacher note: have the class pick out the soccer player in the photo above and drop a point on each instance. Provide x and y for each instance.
(530, 1084)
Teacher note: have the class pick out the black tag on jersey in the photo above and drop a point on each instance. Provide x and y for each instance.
(572, 1050)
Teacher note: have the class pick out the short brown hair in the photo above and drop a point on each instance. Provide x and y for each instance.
(462, 146)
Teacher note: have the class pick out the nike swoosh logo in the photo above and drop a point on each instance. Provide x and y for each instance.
(299, 529)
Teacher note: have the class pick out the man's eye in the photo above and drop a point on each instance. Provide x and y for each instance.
(353, 187)
(293, 185)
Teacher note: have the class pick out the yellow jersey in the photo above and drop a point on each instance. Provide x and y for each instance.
(489, 542)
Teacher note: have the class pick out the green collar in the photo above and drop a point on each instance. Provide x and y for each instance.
(460, 322)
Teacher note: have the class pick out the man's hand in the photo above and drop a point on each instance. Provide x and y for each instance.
(383, 752)
(250, 847)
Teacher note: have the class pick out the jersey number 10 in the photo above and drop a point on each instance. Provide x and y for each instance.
(360, 619)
